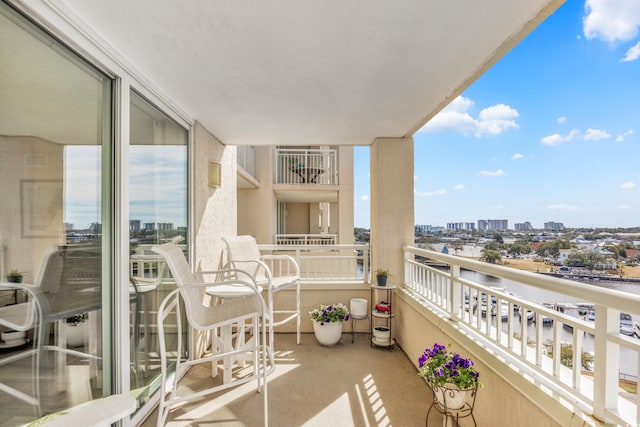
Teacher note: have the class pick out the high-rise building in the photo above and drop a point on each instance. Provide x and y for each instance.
(522, 226)
(493, 224)
(553, 226)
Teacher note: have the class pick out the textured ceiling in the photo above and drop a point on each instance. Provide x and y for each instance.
(309, 72)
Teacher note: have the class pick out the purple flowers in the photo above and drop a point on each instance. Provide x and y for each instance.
(439, 367)
(330, 313)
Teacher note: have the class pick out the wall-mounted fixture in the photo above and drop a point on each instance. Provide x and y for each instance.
(215, 175)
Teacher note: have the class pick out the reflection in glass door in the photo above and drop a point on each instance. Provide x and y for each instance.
(55, 151)
(158, 214)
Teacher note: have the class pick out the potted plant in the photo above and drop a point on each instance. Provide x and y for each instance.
(15, 276)
(381, 276)
(327, 322)
(77, 332)
(453, 379)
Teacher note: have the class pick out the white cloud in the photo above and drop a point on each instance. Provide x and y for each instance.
(364, 197)
(458, 187)
(625, 207)
(632, 54)
(498, 172)
(611, 20)
(456, 117)
(562, 119)
(562, 206)
(628, 185)
(557, 139)
(620, 138)
(596, 135)
(441, 192)
(517, 156)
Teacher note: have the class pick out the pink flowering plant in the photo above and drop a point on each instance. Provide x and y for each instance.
(330, 313)
(440, 367)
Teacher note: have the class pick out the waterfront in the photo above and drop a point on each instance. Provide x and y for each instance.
(628, 359)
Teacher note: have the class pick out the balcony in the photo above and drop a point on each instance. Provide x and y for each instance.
(306, 166)
(521, 362)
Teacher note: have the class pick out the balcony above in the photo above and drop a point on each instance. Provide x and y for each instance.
(306, 175)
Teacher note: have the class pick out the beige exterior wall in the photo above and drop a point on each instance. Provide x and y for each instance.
(391, 204)
(214, 208)
(257, 206)
(312, 296)
(344, 220)
(299, 217)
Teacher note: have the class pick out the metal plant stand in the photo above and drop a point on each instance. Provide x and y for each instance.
(449, 402)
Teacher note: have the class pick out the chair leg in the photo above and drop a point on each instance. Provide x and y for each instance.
(298, 311)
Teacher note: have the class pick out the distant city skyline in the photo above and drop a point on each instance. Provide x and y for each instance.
(549, 133)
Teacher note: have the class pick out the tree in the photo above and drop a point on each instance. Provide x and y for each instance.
(491, 256)
(493, 246)
(518, 248)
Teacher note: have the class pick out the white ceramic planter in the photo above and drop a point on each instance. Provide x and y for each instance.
(77, 334)
(358, 307)
(328, 333)
(382, 333)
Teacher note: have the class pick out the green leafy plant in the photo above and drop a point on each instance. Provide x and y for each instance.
(330, 313)
(15, 276)
(382, 272)
(78, 318)
(440, 367)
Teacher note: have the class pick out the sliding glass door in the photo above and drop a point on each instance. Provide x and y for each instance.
(56, 159)
(158, 214)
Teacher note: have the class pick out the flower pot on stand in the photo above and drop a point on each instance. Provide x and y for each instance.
(454, 401)
(382, 280)
(327, 333)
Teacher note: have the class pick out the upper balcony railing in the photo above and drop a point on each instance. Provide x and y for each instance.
(306, 239)
(306, 166)
(327, 263)
(506, 324)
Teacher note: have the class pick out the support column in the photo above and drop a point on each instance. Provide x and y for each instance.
(392, 218)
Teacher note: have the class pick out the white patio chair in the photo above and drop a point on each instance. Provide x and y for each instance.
(66, 286)
(274, 272)
(203, 316)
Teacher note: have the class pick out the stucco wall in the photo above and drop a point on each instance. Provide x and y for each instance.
(256, 206)
(214, 208)
(313, 296)
(391, 203)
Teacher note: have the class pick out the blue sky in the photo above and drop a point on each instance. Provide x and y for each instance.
(550, 133)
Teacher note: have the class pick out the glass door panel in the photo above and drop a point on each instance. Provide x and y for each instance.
(55, 145)
(158, 214)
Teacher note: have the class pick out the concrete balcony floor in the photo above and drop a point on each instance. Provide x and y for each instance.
(344, 385)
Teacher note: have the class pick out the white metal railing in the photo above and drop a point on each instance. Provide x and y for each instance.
(436, 279)
(246, 158)
(327, 263)
(306, 239)
(306, 166)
